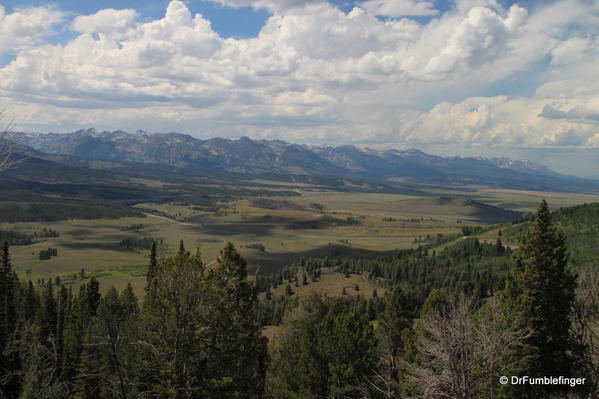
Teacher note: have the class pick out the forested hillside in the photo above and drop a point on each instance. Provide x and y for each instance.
(452, 322)
(580, 225)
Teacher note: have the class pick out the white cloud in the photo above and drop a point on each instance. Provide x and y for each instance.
(572, 50)
(399, 8)
(114, 23)
(480, 37)
(26, 26)
(496, 120)
(315, 72)
(272, 5)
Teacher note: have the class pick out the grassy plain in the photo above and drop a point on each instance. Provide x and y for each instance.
(333, 283)
(317, 222)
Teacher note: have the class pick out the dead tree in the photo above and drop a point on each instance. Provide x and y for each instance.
(464, 352)
(382, 383)
(494, 343)
(7, 145)
(585, 325)
(446, 347)
(39, 361)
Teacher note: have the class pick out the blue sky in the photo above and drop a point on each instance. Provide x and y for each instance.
(454, 77)
(227, 21)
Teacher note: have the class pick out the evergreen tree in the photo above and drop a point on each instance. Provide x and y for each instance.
(201, 338)
(47, 317)
(115, 340)
(80, 354)
(8, 318)
(242, 347)
(7, 291)
(152, 266)
(92, 296)
(436, 303)
(327, 351)
(174, 338)
(77, 319)
(130, 303)
(539, 296)
(396, 318)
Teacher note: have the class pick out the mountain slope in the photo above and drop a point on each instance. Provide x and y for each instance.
(245, 155)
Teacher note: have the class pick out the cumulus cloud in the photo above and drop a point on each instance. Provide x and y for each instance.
(111, 22)
(316, 73)
(272, 5)
(399, 8)
(26, 26)
(503, 121)
(481, 36)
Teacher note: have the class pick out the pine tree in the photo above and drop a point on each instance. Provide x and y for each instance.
(116, 332)
(7, 292)
(152, 266)
(396, 317)
(539, 295)
(326, 353)
(8, 318)
(437, 303)
(171, 331)
(62, 306)
(92, 296)
(47, 317)
(130, 303)
(77, 318)
(500, 249)
(244, 347)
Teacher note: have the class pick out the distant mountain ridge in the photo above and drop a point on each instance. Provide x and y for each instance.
(245, 155)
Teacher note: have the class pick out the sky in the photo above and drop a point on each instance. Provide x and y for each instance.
(463, 77)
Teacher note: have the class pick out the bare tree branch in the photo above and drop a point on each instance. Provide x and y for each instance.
(464, 352)
(585, 324)
(447, 351)
(494, 342)
(7, 145)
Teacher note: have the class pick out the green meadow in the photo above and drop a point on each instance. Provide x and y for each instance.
(270, 232)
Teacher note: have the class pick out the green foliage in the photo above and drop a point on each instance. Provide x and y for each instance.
(198, 332)
(53, 210)
(396, 318)
(327, 352)
(201, 337)
(8, 316)
(46, 254)
(16, 237)
(539, 295)
(579, 225)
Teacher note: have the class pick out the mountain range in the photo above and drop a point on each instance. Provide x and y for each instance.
(245, 155)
